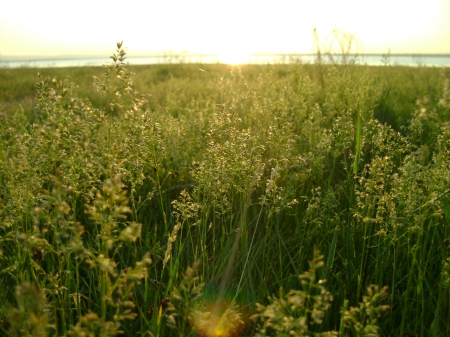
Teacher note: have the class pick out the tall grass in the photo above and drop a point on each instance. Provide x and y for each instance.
(178, 200)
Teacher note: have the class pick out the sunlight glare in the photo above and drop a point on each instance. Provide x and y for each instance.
(234, 58)
(233, 29)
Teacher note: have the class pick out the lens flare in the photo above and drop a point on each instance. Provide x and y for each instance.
(221, 321)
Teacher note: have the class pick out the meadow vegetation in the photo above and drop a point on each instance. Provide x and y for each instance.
(211, 200)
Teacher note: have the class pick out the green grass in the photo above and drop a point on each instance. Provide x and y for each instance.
(179, 199)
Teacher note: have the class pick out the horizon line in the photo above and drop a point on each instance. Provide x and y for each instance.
(8, 58)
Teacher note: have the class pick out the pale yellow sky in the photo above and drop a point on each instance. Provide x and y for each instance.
(231, 27)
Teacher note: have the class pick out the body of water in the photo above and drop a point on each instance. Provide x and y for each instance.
(368, 59)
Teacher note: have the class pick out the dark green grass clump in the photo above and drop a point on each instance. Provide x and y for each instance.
(179, 199)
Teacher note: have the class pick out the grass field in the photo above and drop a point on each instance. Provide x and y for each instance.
(210, 200)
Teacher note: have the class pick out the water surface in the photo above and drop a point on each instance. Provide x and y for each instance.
(368, 59)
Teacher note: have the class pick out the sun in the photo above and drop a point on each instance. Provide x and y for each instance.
(234, 58)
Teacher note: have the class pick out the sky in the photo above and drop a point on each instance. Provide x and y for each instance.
(233, 28)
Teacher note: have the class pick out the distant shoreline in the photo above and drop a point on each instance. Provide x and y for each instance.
(34, 58)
